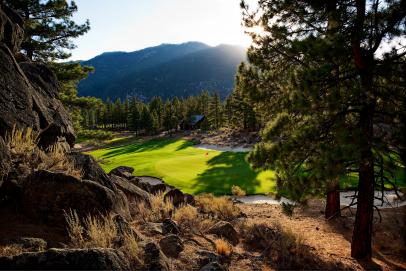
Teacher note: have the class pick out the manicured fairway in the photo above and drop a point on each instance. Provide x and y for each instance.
(190, 169)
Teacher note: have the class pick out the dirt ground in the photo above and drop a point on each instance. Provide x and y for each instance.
(331, 240)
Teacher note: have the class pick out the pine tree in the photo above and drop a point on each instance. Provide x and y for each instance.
(49, 29)
(324, 92)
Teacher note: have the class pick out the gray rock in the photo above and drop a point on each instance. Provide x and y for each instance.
(46, 195)
(154, 259)
(226, 230)
(133, 192)
(72, 259)
(91, 170)
(153, 228)
(171, 245)
(170, 227)
(122, 171)
(190, 199)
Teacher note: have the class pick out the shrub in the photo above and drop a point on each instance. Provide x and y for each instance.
(22, 141)
(220, 207)
(186, 216)
(223, 247)
(237, 191)
(95, 135)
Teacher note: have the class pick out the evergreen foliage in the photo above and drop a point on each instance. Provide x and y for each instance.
(332, 102)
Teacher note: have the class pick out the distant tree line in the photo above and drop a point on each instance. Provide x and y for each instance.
(157, 115)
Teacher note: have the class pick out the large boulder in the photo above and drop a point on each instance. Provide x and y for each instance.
(29, 91)
(122, 171)
(47, 195)
(133, 192)
(91, 170)
(176, 196)
(68, 259)
(226, 230)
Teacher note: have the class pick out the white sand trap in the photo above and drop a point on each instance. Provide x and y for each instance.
(390, 199)
(222, 148)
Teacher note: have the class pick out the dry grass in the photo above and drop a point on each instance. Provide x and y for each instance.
(186, 216)
(22, 141)
(101, 231)
(22, 144)
(75, 229)
(220, 207)
(157, 210)
(97, 231)
(223, 247)
(131, 248)
(56, 160)
(11, 250)
(238, 191)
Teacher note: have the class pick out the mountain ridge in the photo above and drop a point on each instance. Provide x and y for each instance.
(152, 71)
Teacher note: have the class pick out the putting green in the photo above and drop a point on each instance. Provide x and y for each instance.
(190, 169)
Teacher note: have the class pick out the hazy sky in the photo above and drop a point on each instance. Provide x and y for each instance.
(129, 25)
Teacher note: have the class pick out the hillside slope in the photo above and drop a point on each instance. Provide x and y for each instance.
(167, 70)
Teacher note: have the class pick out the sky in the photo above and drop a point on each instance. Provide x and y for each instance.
(130, 25)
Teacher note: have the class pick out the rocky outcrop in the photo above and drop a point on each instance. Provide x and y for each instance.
(46, 196)
(68, 259)
(133, 192)
(122, 171)
(91, 170)
(28, 91)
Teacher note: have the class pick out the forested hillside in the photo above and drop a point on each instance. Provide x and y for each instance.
(167, 70)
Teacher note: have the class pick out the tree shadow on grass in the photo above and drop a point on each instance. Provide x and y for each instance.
(225, 170)
(142, 146)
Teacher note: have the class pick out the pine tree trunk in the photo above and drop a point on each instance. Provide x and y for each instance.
(333, 199)
(362, 234)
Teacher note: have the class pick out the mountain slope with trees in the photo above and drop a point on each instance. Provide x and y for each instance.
(166, 70)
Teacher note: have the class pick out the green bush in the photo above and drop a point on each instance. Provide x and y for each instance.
(95, 135)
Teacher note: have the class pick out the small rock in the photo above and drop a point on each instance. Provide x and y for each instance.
(171, 245)
(176, 196)
(206, 257)
(122, 171)
(170, 226)
(226, 230)
(154, 259)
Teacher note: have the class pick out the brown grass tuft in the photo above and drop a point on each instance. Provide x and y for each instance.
(238, 191)
(11, 250)
(220, 207)
(186, 216)
(223, 247)
(75, 229)
(100, 230)
(131, 248)
(157, 210)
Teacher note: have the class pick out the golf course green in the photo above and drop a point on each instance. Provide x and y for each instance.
(195, 170)
(190, 169)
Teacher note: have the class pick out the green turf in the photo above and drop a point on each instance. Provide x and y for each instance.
(196, 171)
(190, 169)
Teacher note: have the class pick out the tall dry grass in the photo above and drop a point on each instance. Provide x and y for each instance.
(220, 207)
(22, 144)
